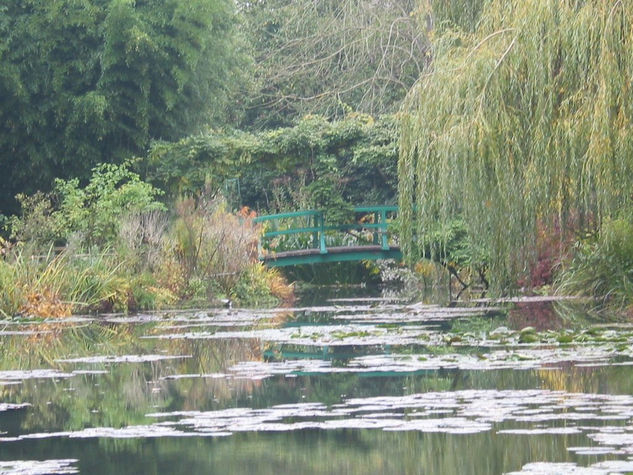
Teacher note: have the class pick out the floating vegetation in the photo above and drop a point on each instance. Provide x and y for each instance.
(39, 467)
(121, 359)
(19, 375)
(457, 412)
(600, 468)
(351, 369)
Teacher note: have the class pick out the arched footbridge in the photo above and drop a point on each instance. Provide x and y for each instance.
(305, 237)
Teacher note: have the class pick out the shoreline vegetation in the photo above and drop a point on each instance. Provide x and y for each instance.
(123, 251)
(113, 246)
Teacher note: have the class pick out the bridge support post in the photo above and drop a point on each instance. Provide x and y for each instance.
(315, 234)
(383, 228)
(376, 221)
(322, 248)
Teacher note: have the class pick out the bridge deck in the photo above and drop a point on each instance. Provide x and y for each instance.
(334, 254)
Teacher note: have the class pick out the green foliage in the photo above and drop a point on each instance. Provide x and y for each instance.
(525, 119)
(37, 224)
(10, 295)
(315, 163)
(204, 160)
(94, 211)
(324, 191)
(448, 14)
(210, 253)
(85, 82)
(253, 286)
(602, 265)
(145, 261)
(55, 285)
(449, 243)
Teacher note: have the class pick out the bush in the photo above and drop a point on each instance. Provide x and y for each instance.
(353, 160)
(212, 254)
(602, 265)
(208, 244)
(254, 286)
(122, 252)
(142, 240)
(94, 212)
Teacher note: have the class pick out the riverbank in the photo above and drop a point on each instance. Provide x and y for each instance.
(61, 284)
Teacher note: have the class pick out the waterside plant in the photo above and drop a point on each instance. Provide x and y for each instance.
(602, 266)
(122, 251)
(524, 121)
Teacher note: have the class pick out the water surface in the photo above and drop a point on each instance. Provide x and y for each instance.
(354, 385)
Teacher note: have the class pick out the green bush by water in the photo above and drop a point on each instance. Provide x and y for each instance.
(602, 265)
(123, 252)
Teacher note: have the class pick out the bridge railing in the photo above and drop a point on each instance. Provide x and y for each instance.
(313, 223)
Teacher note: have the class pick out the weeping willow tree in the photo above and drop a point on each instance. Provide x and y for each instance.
(524, 123)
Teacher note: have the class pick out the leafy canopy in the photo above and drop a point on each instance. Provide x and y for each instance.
(91, 81)
(525, 120)
(314, 163)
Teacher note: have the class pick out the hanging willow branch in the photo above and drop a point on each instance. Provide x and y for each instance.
(525, 119)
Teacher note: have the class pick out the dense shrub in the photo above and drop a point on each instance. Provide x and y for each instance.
(602, 265)
(315, 163)
(93, 212)
(208, 249)
(123, 252)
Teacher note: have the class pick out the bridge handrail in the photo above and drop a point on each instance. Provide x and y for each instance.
(338, 227)
(314, 212)
(378, 208)
(318, 227)
(291, 214)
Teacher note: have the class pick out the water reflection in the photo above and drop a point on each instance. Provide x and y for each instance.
(346, 386)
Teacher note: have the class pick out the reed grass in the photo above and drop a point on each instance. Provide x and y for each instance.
(205, 254)
(55, 285)
(602, 266)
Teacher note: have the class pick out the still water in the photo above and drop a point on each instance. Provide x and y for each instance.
(346, 385)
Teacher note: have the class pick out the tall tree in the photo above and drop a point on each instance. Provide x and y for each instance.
(525, 121)
(323, 56)
(89, 81)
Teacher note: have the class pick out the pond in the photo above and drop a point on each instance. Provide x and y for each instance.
(367, 384)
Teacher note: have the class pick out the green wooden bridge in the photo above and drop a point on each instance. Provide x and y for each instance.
(302, 237)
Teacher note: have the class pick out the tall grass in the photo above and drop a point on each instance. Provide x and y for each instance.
(199, 256)
(55, 285)
(602, 266)
(211, 253)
